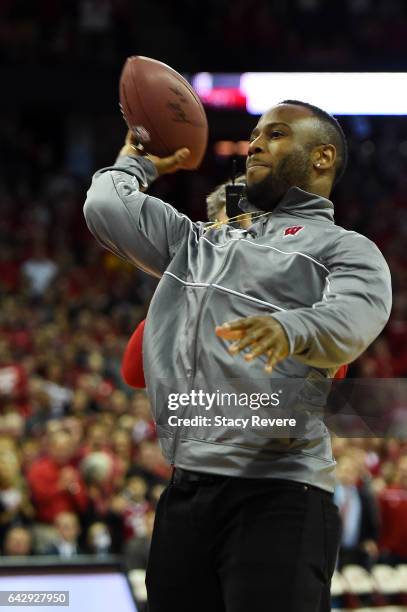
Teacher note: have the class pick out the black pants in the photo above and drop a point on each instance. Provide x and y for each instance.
(241, 545)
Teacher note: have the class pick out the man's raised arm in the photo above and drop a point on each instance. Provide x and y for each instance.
(137, 227)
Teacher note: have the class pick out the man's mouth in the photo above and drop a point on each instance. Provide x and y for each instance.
(257, 164)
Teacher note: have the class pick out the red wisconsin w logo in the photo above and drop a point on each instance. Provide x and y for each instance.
(291, 231)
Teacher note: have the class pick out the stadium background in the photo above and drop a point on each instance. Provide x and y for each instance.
(67, 308)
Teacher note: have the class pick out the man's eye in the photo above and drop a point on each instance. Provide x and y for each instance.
(276, 134)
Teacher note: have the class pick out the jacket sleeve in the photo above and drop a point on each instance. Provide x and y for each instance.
(135, 226)
(354, 308)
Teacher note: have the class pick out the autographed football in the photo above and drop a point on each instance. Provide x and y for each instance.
(162, 109)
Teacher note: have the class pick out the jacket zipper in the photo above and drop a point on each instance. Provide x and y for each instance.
(195, 346)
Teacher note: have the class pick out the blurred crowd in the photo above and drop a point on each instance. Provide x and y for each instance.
(350, 34)
(371, 495)
(80, 468)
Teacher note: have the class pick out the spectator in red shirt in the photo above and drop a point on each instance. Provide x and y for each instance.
(13, 378)
(55, 483)
(135, 507)
(393, 506)
(132, 364)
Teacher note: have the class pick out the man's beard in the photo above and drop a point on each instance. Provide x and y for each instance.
(293, 171)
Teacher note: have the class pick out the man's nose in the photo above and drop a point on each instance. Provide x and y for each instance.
(256, 146)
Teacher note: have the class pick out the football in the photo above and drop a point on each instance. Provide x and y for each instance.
(162, 109)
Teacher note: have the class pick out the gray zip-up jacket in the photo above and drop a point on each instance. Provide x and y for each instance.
(329, 288)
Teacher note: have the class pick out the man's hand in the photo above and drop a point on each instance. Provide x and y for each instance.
(264, 334)
(164, 165)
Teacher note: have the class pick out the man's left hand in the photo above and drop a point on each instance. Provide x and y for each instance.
(263, 334)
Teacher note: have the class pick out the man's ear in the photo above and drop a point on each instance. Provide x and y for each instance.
(324, 157)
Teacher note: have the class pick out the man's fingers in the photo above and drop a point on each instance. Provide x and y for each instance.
(249, 338)
(236, 324)
(131, 147)
(166, 165)
(274, 358)
(261, 347)
(181, 155)
(132, 141)
(229, 334)
(176, 160)
(263, 333)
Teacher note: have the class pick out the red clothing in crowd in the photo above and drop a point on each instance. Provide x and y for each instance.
(393, 508)
(134, 519)
(13, 381)
(48, 498)
(10, 275)
(132, 363)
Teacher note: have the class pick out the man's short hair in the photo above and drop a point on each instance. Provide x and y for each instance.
(330, 132)
(216, 200)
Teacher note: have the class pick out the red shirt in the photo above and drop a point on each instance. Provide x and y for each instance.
(393, 508)
(132, 363)
(14, 384)
(341, 373)
(48, 498)
(10, 275)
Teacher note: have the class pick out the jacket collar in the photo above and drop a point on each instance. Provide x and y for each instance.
(299, 203)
